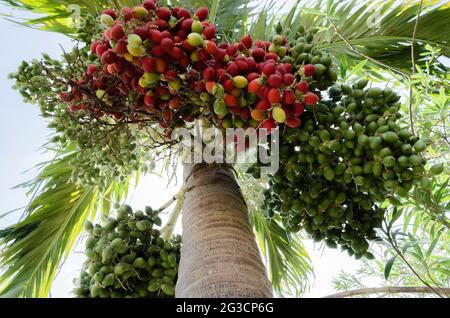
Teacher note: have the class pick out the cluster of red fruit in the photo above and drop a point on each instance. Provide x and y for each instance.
(252, 87)
(155, 61)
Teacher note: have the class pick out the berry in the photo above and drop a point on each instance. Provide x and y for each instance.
(232, 69)
(100, 49)
(268, 69)
(149, 5)
(288, 79)
(195, 39)
(140, 13)
(230, 100)
(134, 40)
(279, 114)
(163, 13)
(202, 13)
(148, 65)
(209, 74)
(275, 81)
(110, 12)
(210, 47)
(117, 32)
(176, 53)
(310, 98)
(268, 124)
(293, 122)
(228, 86)
(209, 32)
(167, 44)
(263, 105)
(303, 86)
(258, 54)
(258, 115)
(298, 108)
(274, 96)
(182, 13)
(186, 25)
(308, 70)
(289, 97)
(247, 41)
(197, 27)
(254, 86)
(155, 36)
(240, 81)
(108, 57)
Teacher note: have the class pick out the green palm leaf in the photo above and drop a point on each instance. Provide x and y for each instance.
(33, 248)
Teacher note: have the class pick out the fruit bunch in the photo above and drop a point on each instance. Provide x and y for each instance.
(349, 156)
(143, 56)
(311, 63)
(250, 86)
(127, 257)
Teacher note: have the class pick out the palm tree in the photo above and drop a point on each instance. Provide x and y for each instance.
(214, 210)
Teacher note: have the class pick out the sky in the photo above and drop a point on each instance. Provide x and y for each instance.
(23, 132)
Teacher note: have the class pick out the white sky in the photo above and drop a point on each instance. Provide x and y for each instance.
(23, 131)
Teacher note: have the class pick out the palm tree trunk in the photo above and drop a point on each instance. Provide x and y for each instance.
(219, 257)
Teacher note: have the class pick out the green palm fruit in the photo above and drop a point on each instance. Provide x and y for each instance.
(437, 168)
(420, 146)
(107, 255)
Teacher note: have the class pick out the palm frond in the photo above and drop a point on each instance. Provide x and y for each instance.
(33, 248)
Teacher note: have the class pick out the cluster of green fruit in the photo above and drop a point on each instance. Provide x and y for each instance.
(127, 257)
(303, 52)
(349, 155)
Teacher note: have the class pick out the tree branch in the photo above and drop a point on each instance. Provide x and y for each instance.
(388, 290)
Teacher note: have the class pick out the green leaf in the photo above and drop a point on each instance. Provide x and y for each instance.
(388, 267)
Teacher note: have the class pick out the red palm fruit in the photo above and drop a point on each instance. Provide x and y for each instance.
(150, 100)
(275, 80)
(149, 5)
(298, 108)
(202, 13)
(108, 57)
(209, 74)
(228, 86)
(258, 115)
(234, 110)
(186, 24)
(251, 64)
(203, 55)
(148, 64)
(163, 13)
(187, 46)
(247, 41)
(274, 96)
(263, 105)
(268, 69)
(117, 32)
(293, 122)
(92, 69)
(310, 98)
(209, 32)
(161, 24)
(184, 61)
(166, 34)
(167, 44)
(258, 54)
(253, 76)
(158, 51)
(175, 102)
(119, 63)
(176, 53)
(220, 55)
(160, 65)
(155, 36)
(65, 97)
(183, 13)
(73, 108)
(254, 86)
(280, 69)
(121, 47)
(223, 45)
(177, 39)
(100, 49)
(262, 93)
(210, 86)
(288, 79)
(289, 97)
(242, 65)
(110, 12)
(127, 13)
(142, 31)
(302, 86)
(231, 50)
(232, 69)
(199, 87)
(309, 70)
(162, 90)
(94, 46)
(221, 74)
(272, 56)
(288, 67)
(107, 35)
(210, 47)
(230, 100)
(170, 75)
(175, 10)
(167, 115)
(269, 125)
(245, 113)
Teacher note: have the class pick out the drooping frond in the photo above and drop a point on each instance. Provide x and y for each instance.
(32, 249)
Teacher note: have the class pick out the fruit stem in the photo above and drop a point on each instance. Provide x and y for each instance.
(169, 227)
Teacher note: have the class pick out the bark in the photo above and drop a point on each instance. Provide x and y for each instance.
(219, 256)
(388, 290)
